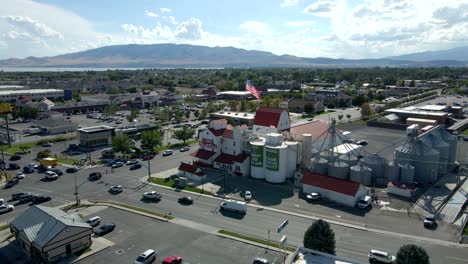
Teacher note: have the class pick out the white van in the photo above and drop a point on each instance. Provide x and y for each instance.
(94, 221)
(233, 205)
(146, 257)
(364, 202)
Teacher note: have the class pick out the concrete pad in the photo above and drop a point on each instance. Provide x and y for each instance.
(99, 243)
(85, 211)
(452, 208)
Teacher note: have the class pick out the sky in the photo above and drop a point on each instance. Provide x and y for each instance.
(353, 29)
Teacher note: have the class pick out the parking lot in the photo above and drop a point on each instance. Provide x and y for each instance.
(134, 234)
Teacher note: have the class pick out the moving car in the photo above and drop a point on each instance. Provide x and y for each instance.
(118, 164)
(148, 157)
(15, 157)
(116, 189)
(430, 221)
(259, 260)
(19, 175)
(94, 221)
(47, 144)
(41, 199)
(132, 162)
(50, 175)
(71, 170)
(362, 142)
(94, 176)
(233, 205)
(135, 166)
(6, 208)
(167, 152)
(16, 196)
(146, 257)
(364, 202)
(186, 200)
(172, 260)
(12, 183)
(377, 256)
(248, 196)
(184, 149)
(153, 195)
(313, 196)
(104, 229)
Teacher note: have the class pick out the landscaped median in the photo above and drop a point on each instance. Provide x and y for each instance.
(271, 243)
(170, 183)
(131, 207)
(177, 145)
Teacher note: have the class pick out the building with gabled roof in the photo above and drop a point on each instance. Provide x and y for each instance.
(271, 120)
(191, 171)
(46, 234)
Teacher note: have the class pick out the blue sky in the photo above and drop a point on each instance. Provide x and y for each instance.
(309, 28)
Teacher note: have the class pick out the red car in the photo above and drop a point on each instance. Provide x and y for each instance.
(148, 157)
(172, 260)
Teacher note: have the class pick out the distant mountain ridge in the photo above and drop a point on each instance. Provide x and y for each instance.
(184, 55)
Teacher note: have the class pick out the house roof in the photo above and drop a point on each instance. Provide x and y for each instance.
(228, 133)
(47, 101)
(25, 99)
(229, 159)
(41, 224)
(217, 132)
(268, 116)
(316, 128)
(203, 154)
(330, 183)
(219, 121)
(190, 168)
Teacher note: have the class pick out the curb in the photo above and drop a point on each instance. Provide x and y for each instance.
(246, 241)
(127, 210)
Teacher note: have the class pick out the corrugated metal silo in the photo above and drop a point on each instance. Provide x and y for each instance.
(377, 164)
(452, 141)
(320, 166)
(393, 172)
(329, 155)
(338, 169)
(424, 159)
(361, 173)
(351, 160)
(407, 174)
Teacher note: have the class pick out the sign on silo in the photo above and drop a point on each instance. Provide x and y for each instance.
(256, 156)
(272, 159)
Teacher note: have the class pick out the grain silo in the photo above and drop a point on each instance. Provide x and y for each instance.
(349, 159)
(393, 172)
(329, 155)
(276, 161)
(360, 173)
(257, 159)
(377, 164)
(338, 169)
(292, 158)
(407, 174)
(434, 139)
(452, 141)
(306, 150)
(424, 159)
(319, 166)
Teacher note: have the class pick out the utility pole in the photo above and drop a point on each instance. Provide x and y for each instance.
(149, 168)
(77, 198)
(8, 131)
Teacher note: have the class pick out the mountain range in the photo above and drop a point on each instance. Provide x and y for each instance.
(183, 56)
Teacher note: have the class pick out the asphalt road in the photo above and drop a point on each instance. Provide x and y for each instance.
(350, 242)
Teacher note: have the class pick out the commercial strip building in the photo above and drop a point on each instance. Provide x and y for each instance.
(54, 126)
(47, 234)
(34, 94)
(96, 136)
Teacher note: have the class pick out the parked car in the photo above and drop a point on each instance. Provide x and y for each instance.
(19, 175)
(94, 176)
(364, 202)
(57, 170)
(135, 166)
(116, 189)
(117, 164)
(13, 166)
(47, 144)
(41, 199)
(2, 201)
(71, 170)
(146, 257)
(172, 260)
(377, 256)
(153, 195)
(94, 221)
(28, 169)
(186, 200)
(362, 142)
(248, 195)
(50, 175)
(15, 157)
(132, 162)
(430, 221)
(465, 138)
(148, 157)
(43, 168)
(6, 208)
(104, 229)
(313, 196)
(26, 198)
(16, 196)
(259, 260)
(177, 126)
(11, 183)
(184, 149)
(167, 152)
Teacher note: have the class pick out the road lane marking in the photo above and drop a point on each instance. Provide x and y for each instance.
(459, 259)
(352, 252)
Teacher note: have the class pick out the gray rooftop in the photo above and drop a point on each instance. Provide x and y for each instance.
(95, 128)
(52, 123)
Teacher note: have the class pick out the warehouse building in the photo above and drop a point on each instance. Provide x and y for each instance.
(96, 136)
(48, 234)
(54, 126)
(34, 94)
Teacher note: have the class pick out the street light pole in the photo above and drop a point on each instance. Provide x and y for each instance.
(149, 169)
(77, 198)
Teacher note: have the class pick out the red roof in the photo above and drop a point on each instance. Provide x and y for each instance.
(203, 154)
(190, 168)
(402, 186)
(229, 159)
(218, 132)
(266, 116)
(330, 183)
(219, 121)
(228, 133)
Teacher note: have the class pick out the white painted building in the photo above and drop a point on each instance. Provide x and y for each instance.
(34, 94)
(271, 120)
(146, 99)
(45, 105)
(192, 172)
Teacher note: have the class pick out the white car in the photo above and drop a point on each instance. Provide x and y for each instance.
(377, 256)
(248, 196)
(2, 201)
(131, 162)
(51, 175)
(20, 175)
(116, 188)
(118, 164)
(313, 196)
(153, 195)
(6, 208)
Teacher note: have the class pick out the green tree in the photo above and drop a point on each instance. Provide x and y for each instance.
(196, 114)
(26, 113)
(151, 138)
(243, 106)
(410, 254)
(43, 154)
(366, 110)
(184, 133)
(231, 121)
(179, 115)
(412, 83)
(122, 143)
(331, 105)
(340, 116)
(76, 96)
(187, 114)
(276, 102)
(132, 90)
(349, 117)
(266, 101)
(233, 105)
(203, 114)
(319, 236)
(111, 109)
(309, 108)
(252, 106)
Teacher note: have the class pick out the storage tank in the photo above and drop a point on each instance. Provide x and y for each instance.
(393, 172)
(351, 160)
(257, 159)
(292, 153)
(320, 166)
(424, 159)
(338, 169)
(407, 174)
(361, 173)
(306, 150)
(315, 152)
(434, 139)
(452, 141)
(329, 155)
(276, 163)
(377, 164)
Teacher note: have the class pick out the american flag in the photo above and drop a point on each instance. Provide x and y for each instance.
(249, 87)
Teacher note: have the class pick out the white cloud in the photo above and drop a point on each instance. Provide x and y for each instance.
(190, 29)
(31, 27)
(289, 3)
(257, 28)
(151, 14)
(164, 10)
(300, 23)
(320, 8)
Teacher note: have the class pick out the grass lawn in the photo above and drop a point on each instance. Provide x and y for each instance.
(465, 231)
(171, 183)
(16, 147)
(270, 243)
(138, 209)
(3, 227)
(465, 132)
(67, 160)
